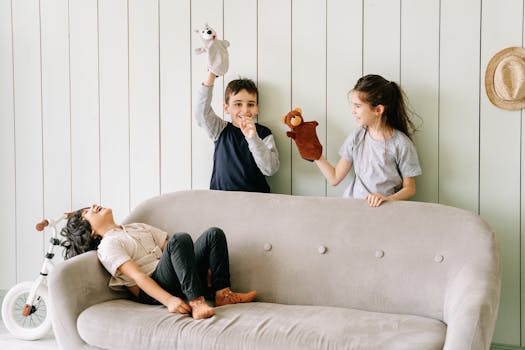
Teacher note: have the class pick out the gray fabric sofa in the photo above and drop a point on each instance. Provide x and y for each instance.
(331, 273)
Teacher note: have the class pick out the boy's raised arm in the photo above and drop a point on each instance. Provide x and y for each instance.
(204, 114)
(210, 79)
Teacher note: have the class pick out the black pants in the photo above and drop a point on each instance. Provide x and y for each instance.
(183, 267)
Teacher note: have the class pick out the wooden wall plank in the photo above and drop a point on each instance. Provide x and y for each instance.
(309, 86)
(28, 136)
(175, 94)
(144, 100)
(274, 72)
(240, 28)
(114, 106)
(381, 38)
(420, 81)
(7, 149)
(344, 68)
(459, 104)
(84, 95)
(202, 148)
(500, 176)
(56, 126)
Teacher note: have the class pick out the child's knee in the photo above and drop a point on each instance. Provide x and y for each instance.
(215, 233)
(181, 239)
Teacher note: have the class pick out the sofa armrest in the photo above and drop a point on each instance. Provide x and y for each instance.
(471, 306)
(75, 285)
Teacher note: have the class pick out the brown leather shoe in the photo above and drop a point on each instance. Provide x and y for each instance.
(226, 296)
(200, 309)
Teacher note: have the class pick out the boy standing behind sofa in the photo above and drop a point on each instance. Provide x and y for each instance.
(245, 151)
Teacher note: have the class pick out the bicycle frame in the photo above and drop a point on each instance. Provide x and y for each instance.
(48, 264)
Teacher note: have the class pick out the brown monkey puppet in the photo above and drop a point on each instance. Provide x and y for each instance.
(304, 135)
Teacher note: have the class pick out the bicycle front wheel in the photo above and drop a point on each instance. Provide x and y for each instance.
(27, 323)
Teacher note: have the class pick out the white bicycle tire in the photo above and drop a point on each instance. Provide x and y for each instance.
(34, 326)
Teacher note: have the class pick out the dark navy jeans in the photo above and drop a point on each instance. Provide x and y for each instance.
(183, 267)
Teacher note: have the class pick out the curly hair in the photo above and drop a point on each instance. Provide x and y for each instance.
(77, 236)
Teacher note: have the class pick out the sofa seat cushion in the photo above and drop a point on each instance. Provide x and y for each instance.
(123, 324)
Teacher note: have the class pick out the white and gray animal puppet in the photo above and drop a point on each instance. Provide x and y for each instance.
(218, 58)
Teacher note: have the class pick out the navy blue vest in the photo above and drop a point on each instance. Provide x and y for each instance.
(234, 168)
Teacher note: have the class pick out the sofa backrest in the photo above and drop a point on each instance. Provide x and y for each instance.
(400, 257)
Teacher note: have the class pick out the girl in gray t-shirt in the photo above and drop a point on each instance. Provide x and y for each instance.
(384, 157)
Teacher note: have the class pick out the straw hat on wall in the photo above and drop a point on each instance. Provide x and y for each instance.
(505, 78)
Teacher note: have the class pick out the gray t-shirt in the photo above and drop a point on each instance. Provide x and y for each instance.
(379, 166)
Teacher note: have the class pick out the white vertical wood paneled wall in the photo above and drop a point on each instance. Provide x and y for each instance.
(96, 105)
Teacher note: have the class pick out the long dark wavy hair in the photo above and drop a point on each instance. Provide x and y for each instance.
(376, 90)
(77, 236)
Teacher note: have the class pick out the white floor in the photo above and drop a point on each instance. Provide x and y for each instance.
(8, 342)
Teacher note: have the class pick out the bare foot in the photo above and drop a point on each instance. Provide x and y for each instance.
(200, 309)
(226, 296)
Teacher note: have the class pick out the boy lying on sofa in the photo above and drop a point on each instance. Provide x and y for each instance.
(156, 269)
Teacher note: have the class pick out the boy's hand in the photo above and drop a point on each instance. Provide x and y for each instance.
(178, 305)
(247, 127)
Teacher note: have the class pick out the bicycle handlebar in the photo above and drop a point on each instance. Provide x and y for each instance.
(41, 225)
(45, 222)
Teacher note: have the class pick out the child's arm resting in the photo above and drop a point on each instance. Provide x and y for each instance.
(408, 190)
(204, 114)
(150, 287)
(265, 154)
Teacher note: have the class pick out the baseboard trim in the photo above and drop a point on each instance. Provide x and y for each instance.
(496, 346)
